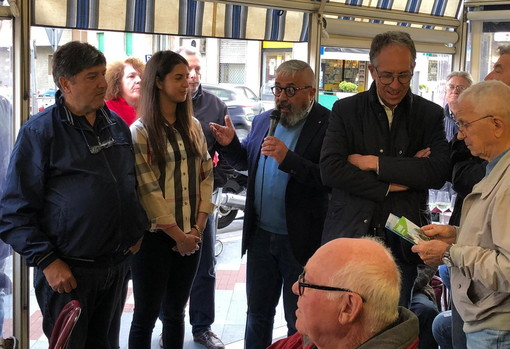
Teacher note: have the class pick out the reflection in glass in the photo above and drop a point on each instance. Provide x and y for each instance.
(6, 142)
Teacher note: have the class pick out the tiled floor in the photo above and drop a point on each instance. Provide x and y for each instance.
(230, 301)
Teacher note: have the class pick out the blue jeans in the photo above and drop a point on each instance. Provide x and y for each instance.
(270, 264)
(99, 292)
(493, 339)
(201, 301)
(162, 282)
(442, 329)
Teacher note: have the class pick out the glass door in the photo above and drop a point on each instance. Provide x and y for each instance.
(6, 143)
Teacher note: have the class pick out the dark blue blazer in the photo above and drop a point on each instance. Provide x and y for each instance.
(306, 198)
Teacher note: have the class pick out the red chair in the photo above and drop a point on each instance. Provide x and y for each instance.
(64, 326)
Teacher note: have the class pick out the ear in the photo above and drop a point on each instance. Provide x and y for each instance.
(499, 127)
(159, 84)
(372, 71)
(350, 309)
(313, 90)
(64, 84)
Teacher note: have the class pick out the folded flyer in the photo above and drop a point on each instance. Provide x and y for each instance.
(406, 229)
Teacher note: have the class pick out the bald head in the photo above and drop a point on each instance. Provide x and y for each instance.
(367, 267)
(364, 250)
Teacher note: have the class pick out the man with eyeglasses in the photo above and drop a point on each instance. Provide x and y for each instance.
(456, 82)
(383, 150)
(286, 202)
(70, 206)
(478, 251)
(348, 298)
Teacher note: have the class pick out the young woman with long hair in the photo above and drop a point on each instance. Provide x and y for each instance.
(175, 179)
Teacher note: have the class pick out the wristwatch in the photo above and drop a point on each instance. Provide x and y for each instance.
(447, 259)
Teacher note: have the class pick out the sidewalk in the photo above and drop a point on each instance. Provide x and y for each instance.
(230, 301)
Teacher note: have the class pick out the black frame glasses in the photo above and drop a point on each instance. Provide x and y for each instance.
(387, 78)
(464, 125)
(302, 285)
(289, 91)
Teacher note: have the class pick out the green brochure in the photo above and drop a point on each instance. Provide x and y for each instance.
(406, 229)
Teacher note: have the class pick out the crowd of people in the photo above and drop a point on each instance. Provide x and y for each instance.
(97, 193)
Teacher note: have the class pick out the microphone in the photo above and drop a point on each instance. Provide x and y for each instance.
(273, 122)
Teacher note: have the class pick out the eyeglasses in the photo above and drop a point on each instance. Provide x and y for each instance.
(302, 284)
(459, 88)
(387, 78)
(464, 125)
(289, 91)
(94, 149)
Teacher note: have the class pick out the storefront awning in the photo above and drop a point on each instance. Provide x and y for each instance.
(276, 20)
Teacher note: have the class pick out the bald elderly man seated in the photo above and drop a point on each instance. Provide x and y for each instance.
(348, 298)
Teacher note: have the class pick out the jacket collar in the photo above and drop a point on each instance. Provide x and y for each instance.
(67, 116)
(198, 93)
(488, 183)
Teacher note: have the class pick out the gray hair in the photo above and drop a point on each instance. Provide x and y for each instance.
(188, 51)
(73, 58)
(489, 97)
(294, 66)
(382, 40)
(379, 284)
(504, 50)
(461, 74)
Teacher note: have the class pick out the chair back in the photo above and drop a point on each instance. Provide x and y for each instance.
(64, 326)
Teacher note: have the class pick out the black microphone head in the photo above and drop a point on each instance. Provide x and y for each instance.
(275, 114)
(274, 118)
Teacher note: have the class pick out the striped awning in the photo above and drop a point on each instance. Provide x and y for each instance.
(275, 20)
(176, 17)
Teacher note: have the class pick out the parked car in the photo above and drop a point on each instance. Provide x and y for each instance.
(45, 99)
(238, 95)
(48, 93)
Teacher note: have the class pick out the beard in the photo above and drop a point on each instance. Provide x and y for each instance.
(307, 340)
(296, 114)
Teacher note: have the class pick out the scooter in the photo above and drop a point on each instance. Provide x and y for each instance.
(232, 198)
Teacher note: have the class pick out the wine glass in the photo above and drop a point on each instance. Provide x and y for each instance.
(443, 200)
(432, 198)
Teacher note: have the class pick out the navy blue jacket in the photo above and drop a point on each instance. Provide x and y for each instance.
(61, 200)
(306, 198)
(360, 199)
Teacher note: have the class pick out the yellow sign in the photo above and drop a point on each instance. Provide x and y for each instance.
(277, 44)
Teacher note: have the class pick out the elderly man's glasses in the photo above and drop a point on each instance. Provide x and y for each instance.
(464, 125)
(386, 78)
(459, 88)
(302, 285)
(289, 91)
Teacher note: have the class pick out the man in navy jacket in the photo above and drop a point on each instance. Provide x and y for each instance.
(70, 206)
(286, 201)
(383, 150)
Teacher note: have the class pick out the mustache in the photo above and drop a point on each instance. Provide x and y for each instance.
(283, 105)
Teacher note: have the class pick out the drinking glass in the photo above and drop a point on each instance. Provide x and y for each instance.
(443, 200)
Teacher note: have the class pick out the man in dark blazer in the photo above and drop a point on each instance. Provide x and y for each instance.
(286, 202)
(383, 150)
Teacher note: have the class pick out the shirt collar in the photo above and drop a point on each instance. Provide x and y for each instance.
(494, 162)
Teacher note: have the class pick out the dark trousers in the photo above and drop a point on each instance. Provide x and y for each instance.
(201, 301)
(162, 281)
(409, 273)
(270, 265)
(99, 291)
(426, 311)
